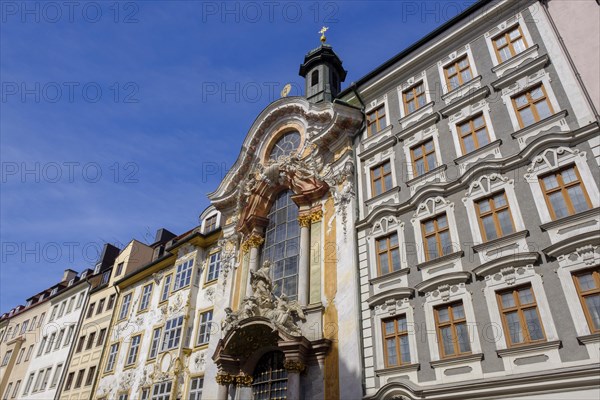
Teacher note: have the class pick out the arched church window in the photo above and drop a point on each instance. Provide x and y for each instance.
(282, 245)
(286, 144)
(270, 377)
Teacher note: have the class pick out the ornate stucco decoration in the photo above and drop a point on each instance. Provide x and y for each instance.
(293, 366)
(209, 294)
(200, 360)
(251, 242)
(283, 313)
(180, 301)
(223, 378)
(125, 381)
(243, 380)
(228, 247)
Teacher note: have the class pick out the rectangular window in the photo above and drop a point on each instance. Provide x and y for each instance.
(38, 380)
(111, 302)
(146, 296)
(123, 396)
(100, 306)
(50, 342)
(166, 288)
(184, 274)
(29, 352)
(214, 267)
(79, 379)
(61, 310)
(16, 390)
(414, 98)
(124, 313)
(112, 357)
(423, 158)
(69, 381)
(56, 376)
(204, 327)
(53, 313)
(90, 311)
(155, 342)
(90, 341)
(7, 393)
(70, 332)
(388, 254)
(588, 289)
(495, 218)
(458, 73)
(473, 133)
(509, 43)
(41, 348)
(41, 321)
(381, 178)
(196, 385)
(21, 354)
(134, 348)
(395, 339)
(119, 269)
(101, 337)
(520, 316)
(46, 378)
(436, 237)
(452, 331)
(376, 120)
(210, 224)
(6, 358)
(565, 193)
(24, 327)
(145, 394)
(32, 326)
(172, 334)
(90, 376)
(28, 384)
(80, 344)
(71, 304)
(532, 106)
(59, 339)
(161, 391)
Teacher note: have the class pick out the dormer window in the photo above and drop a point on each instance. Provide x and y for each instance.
(314, 78)
(210, 224)
(53, 292)
(84, 274)
(71, 282)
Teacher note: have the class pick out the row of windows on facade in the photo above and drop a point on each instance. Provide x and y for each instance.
(181, 280)
(531, 106)
(565, 195)
(40, 385)
(518, 308)
(162, 391)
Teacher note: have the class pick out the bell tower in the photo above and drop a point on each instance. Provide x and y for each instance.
(322, 72)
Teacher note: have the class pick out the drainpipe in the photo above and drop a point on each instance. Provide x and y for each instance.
(563, 47)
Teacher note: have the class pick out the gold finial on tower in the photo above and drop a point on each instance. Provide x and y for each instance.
(322, 32)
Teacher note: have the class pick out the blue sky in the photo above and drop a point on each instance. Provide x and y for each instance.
(117, 118)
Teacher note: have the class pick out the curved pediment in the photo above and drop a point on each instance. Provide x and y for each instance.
(321, 125)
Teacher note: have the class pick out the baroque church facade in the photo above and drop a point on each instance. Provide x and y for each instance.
(429, 232)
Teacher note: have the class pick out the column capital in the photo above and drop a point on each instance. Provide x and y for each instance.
(244, 380)
(294, 365)
(316, 216)
(224, 379)
(253, 240)
(305, 220)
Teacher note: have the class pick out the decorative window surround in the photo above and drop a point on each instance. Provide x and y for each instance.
(390, 196)
(463, 91)
(390, 308)
(430, 208)
(553, 124)
(450, 58)
(387, 141)
(434, 175)
(512, 277)
(522, 84)
(581, 259)
(423, 124)
(485, 186)
(579, 225)
(564, 228)
(441, 265)
(501, 68)
(384, 227)
(524, 70)
(435, 295)
(373, 142)
(465, 113)
(465, 101)
(372, 106)
(396, 279)
(443, 280)
(376, 159)
(395, 293)
(406, 119)
(500, 263)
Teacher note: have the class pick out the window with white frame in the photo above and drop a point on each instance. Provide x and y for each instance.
(183, 274)
(56, 375)
(41, 348)
(112, 357)
(6, 358)
(204, 325)
(172, 334)
(28, 383)
(146, 296)
(154, 343)
(210, 224)
(16, 389)
(166, 288)
(196, 385)
(134, 347)
(46, 378)
(124, 312)
(214, 266)
(161, 391)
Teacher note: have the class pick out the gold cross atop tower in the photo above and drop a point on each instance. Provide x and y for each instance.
(322, 32)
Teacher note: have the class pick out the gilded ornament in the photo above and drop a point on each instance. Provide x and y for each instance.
(305, 220)
(252, 241)
(243, 380)
(224, 378)
(316, 216)
(294, 366)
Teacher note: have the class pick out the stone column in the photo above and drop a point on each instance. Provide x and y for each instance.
(294, 368)
(244, 386)
(224, 380)
(304, 259)
(251, 245)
